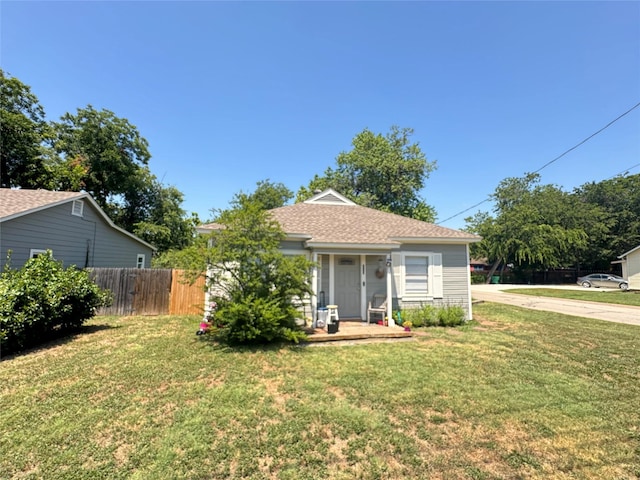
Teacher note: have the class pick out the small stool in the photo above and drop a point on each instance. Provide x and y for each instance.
(332, 313)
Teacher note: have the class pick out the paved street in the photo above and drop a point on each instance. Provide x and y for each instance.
(600, 311)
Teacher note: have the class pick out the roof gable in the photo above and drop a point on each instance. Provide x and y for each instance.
(629, 252)
(329, 197)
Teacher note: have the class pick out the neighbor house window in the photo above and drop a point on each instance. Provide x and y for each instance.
(78, 207)
(34, 252)
(416, 276)
(140, 261)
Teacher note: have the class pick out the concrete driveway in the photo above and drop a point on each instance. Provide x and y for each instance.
(579, 308)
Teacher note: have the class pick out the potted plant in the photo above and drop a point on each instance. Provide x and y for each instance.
(407, 326)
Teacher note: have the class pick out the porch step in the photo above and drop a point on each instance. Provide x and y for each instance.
(333, 337)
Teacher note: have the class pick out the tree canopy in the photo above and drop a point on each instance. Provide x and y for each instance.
(255, 285)
(541, 226)
(23, 129)
(270, 195)
(619, 200)
(91, 150)
(385, 172)
(110, 148)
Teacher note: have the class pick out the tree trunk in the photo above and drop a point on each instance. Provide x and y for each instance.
(493, 269)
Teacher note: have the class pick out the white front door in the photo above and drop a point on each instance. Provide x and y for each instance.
(347, 288)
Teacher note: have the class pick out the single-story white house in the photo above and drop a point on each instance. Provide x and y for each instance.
(630, 262)
(362, 252)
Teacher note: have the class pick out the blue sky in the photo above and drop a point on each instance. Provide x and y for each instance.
(230, 93)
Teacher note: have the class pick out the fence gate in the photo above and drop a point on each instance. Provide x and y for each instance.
(187, 296)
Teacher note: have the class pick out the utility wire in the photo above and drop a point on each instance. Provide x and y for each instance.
(589, 137)
(554, 160)
(625, 171)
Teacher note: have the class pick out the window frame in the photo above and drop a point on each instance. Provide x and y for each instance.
(143, 257)
(420, 285)
(435, 279)
(80, 205)
(34, 252)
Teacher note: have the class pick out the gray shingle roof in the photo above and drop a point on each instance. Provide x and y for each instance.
(354, 224)
(329, 218)
(14, 202)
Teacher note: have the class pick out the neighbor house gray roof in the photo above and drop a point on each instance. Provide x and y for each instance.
(322, 220)
(18, 202)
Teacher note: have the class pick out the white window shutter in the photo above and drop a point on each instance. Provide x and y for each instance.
(398, 275)
(436, 273)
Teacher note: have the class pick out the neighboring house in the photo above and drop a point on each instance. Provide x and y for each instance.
(631, 267)
(362, 252)
(479, 265)
(71, 225)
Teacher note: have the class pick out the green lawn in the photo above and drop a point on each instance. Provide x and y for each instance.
(602, 295)
(519, 394)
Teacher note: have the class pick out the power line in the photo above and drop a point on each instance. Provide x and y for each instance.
(625, 171)
(589, 137)
(555, 159)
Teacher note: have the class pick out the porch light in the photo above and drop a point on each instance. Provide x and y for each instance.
(389, 261)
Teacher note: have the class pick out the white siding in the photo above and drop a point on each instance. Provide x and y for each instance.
(633, 270)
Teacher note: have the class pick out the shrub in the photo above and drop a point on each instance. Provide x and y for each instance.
(255, 321)
(478, 278)
(451, 315)
(43, 299)
(431, 316)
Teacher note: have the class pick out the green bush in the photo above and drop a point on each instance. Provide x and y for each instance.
(451, 316)
(478, 278)
(43, 299)
(431, 316)
(424, 316)
(253, 320)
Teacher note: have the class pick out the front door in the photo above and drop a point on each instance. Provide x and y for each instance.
(347, 287)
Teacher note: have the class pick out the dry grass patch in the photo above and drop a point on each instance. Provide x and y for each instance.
(514, 395)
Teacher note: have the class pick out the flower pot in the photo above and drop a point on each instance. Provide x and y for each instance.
(332, 327)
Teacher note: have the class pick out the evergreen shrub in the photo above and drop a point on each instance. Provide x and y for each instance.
(43, 300)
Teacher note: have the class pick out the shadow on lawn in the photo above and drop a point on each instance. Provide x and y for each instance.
(58, 338)
(217, 346)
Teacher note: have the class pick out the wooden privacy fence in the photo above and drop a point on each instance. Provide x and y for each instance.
(150, 291)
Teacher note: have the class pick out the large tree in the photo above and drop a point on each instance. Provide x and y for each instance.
(384, 172)
(165, 224)
(535, 226)
(619, 198)
(271, 195)
(23, 129)
(111, 159)
(111, 150)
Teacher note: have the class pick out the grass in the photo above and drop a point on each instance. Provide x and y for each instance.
(618, 297)
(519, 394)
